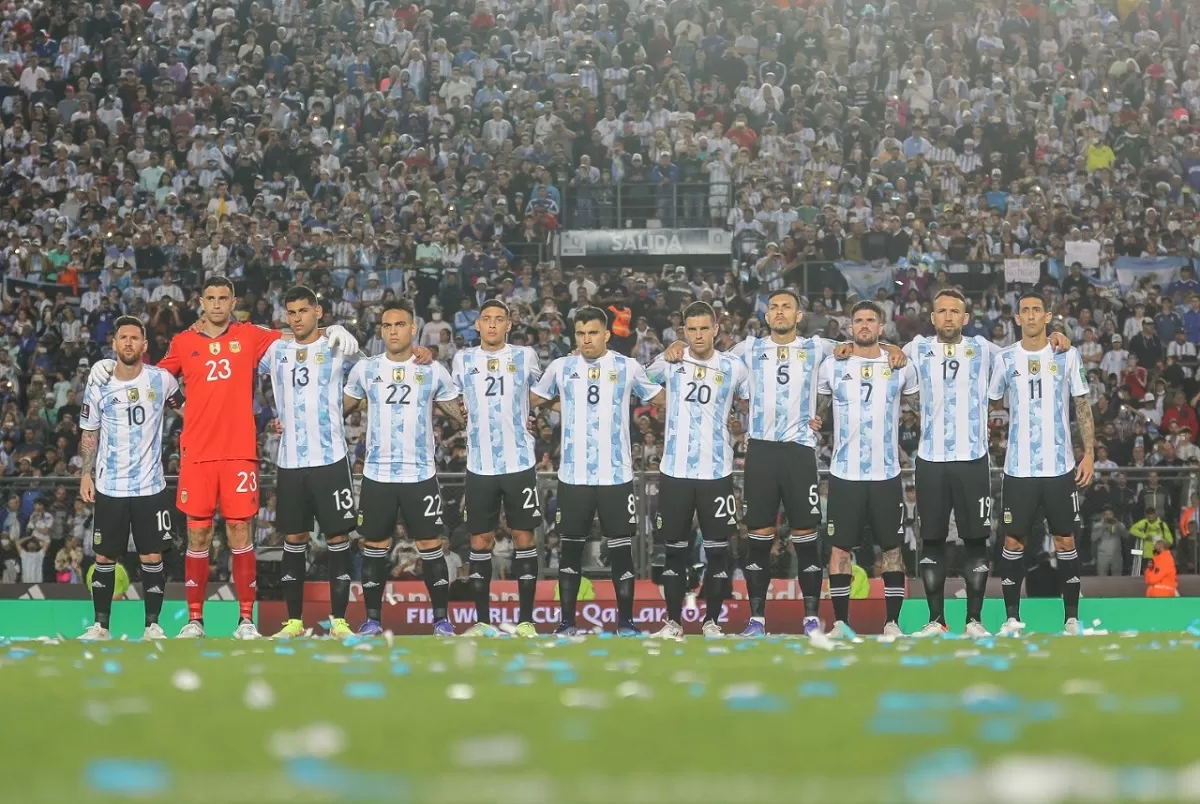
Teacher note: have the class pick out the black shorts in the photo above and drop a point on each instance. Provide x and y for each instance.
(964, 487)
(519, 494)
(578, 506)
(855, 505)
(417, 506)
(148, 518)
(1057, 498)
(712, 502)
(324, 494)
(781, 472)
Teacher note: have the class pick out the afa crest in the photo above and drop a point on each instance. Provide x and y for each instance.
(1035, 366)
(153, 396)
(512, 368)
(319, 358)
(133, 395)
(829, 529)
(802, 355)
(398, 375)
(612, 376)
(360, 520)
(214, 348)
(420, 377)
(235, 347)
(719, 379)
(594, 373)
(301, 355)
(1008, 517)
(183, 496)
(96, 537)
(1053, 368)
(493, 364)
(558, 517)
(970, 351)
(867, 372)
(887, 372)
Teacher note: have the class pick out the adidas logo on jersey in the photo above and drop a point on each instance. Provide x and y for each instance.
(154, 590)
(190, 585)
(669, 572)
(1008, 582)
(286, 578)
(441, 582)
(342, 578)
(474, 575)
(349, 515)
(754, 567)
(574, 376)
(627, 576)
(846, 377)
(567, 570)
(1072, 579)
(283, 359)
(763, 356)
(370, 585)
(721, 575)
(526, 578)
(97, 585)
(928, 560)
(981, 568)
(812, 568)
(815, 510)
(439, 521)
(732, 521)
(472, 372)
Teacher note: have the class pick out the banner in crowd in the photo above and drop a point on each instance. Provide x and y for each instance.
(1160, 271)
(1022, 269)
(14, 287)
(644, 242)
(1084, 252)
(866, 278)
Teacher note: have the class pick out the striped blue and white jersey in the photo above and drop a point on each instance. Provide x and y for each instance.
(783, 386)
(129, 416)
(866, 415)
(700, 395)
(307, 380)
(400, 398)
(495, 388)
(595, 400)
(1038, 387)
(954, 396)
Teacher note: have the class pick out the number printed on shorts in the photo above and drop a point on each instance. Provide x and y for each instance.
(247, 482)
(218, 369)
(164, 522)
(814, 496)
(433, 505)
(726, 507)
(343, 499)
(531, 498)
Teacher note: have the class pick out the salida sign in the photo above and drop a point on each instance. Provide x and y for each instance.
(644, 242)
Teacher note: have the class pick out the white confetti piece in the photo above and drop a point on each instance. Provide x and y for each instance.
(318, 740)
(686, 677)
(389, 638)
(186, 680)
(87, 654)
(575, 698)
(751, 689)
(503, 749)
(259, 695)
(1082, 686)
(460, 692)
(634, 689)
(654, 652)
(437, 667)
(464, 654)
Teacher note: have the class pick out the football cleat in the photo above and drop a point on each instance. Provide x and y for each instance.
(154, 631)
(711, 630)
(755, 628)
(1072, 627)
(975, 630)
(932, 629)
(95, 633)
(482, 630)
(1012, 627)
(628, 629)
(892, 630)
(339, 628)
(248, 630)
(525, 631)
(291, 629)
(841, 630)
(670, 630)
(442, 628)
(565, 630)
(193, 630)
(370, 628)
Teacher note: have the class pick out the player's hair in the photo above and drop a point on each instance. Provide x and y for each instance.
(300, 293)
(869, 306)
(129, 321)
(952, 293)
(499, 305)
(218, 282)
(403, 305)
(785, 292)
(699, 308)
(1032, 294)
(585, 314)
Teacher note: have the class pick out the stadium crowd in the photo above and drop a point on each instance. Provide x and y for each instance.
(384, 148)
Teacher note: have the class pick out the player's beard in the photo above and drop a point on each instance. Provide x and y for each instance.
(129, 362)
(780, 329)
(866, 340)
(950, 336)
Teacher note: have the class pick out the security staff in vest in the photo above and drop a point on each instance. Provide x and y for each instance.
(620, 316)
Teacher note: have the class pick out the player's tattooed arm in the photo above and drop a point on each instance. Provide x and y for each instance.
(1087, 425)
(89, 441)
(892, 561)
(824, 401)
(454, 411)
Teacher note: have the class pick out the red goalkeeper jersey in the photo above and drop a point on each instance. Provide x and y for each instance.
(218, 380)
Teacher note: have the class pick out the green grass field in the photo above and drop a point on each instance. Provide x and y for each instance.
(599, 720)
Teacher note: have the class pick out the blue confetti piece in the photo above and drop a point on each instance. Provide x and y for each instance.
(369, 690)
(1194, 628)
(913, 702)
(1041, 711)
(606, 635)
(565, 677)
(695, 690)
(915, 661)
(351, 641)
(19, 653)
(404, 652)
(400, 669)
(818, 689)
(326, 624)
(907, 723)
(111, 650)
(179, 615)
(345, 784)
(679, 651)
(597, 653)
(927, 771)
(756, 703)
(127, 777)
(999, 730)
(993, 705)
(211, 654)
(837, 663)
(281, 650)
(517, 664)
(742, 646)
(558, 666)
(112, 668)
